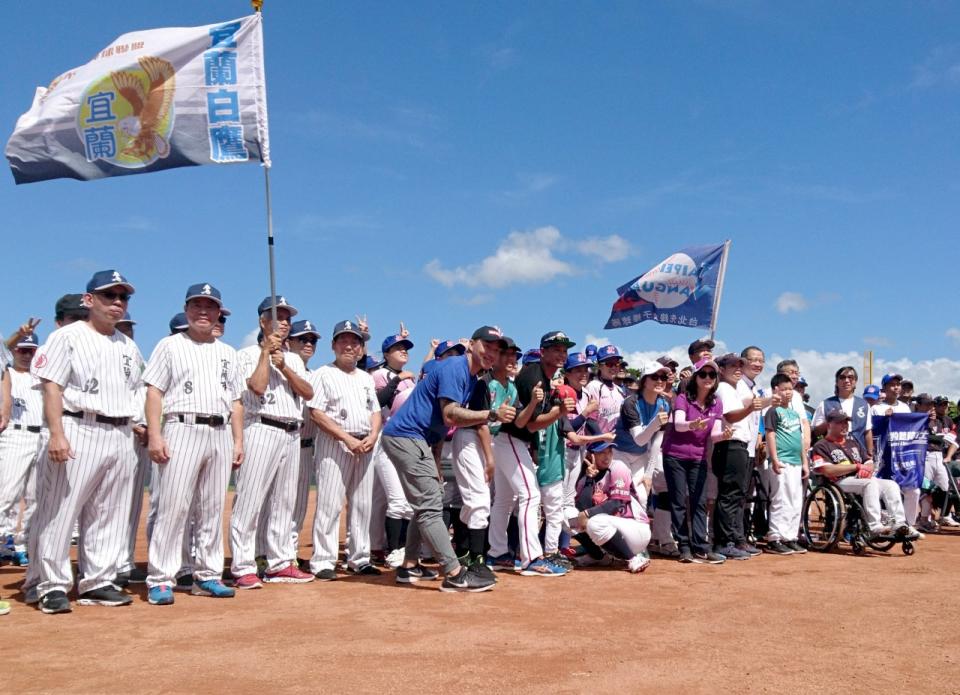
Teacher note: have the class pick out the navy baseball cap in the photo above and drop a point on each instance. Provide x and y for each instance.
(267, 303)
(346, 327)
(179, 323)
(872, 391)
(802, 382)
(448, 345)
(298, 328)
(701, 344)
(532, 355)
(512, 346)
(591, 352)
(490, 334)
(599, 446)
(887, 378)
(555, 338)
(29, 341)
(70, 305)
(608, 352)
(105, 279)
(203, 289)
(576, 359)
(391, 341)
(224, 311)
(127, 319)
(368, 363)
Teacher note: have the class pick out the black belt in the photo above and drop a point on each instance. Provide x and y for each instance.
(102, 419)
(733, 442)
(211, 420)
(29, 428)
(306, 443)
(280, 424)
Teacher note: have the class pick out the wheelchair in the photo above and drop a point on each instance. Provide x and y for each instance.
(830, 515)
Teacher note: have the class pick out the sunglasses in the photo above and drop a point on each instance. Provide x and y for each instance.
(25, 351)
(309, 340)
(658, 377)
(112, 296)
(707, 375)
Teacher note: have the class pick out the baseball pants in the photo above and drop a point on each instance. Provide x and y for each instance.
(911, 503)
(602, 527)
(19, 451)
(389, 500)
(551, 496)
(342, 477)
(660, 526)
(573, 460)
(515, 484)
(870, 490)
(786, 502)
(90, 488)
(266, 484)
(125, 563)
(305, 475)
(195, 477)
(468, 468)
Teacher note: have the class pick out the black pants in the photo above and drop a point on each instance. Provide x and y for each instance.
(686, 477)
(732, 465)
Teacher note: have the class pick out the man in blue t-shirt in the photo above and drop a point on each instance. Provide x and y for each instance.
(438, 403)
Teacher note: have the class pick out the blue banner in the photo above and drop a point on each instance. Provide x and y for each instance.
(901, 440)
(680, 290)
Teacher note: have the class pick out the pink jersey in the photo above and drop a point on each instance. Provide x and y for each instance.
(380, 379)
(609, 398)
(617, 484)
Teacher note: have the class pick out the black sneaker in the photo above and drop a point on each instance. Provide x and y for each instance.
(327, 575)
(122, 579)
(55, 602)
(708, 558)
(778, 548)
(184, 583)
(480, 566)
(412, 575)
(686, 555)
(367, 570)
(105, 596)
(749, 548)
(795, 547)
(468, 580)
(558, 559)
(731, 552)
(138, 576)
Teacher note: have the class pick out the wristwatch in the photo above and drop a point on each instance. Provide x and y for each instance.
(492, 416)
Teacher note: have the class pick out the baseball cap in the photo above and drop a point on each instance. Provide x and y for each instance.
(837, 415)
(29, 341)
(224, 311)
(651, 368)
(802, 382)
(70, 305)
(368, 363)
(448, 345)
(391, 341)
(923, 399)
(705, 362)
(576, 359)
(532, 355)
(490, 334)
(298, 328)
(608, 352)
(698, 345)
(179, 323)
(126, 319)
(599, 446)
(872, 391)
(939, 400)
(344, 327)
(668, 361)
(730, 359)
(203, 289)
(512, 346)
(591, 352)
(267, 303)
(887, 378)
(105, 279)
(556, 338)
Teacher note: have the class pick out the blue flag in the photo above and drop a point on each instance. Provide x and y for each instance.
(680, 290)
(901, 439)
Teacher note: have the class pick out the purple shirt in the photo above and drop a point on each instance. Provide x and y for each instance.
(690, 445)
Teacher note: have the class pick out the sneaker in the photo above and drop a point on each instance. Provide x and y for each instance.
(262, 565)
(138, 576)
(559, 560)
(907, 533)
(326, 575)
(395, 558)
(30, 596)
(105, 596)
(468, 580)
(291, 574)
(778, 548)
(377, 557)
(4, 607)
(161, 595)
(479, 566)
(55, 602)
(184, 583)
(665, 550)
(637, 564)
(501, 562)
(915, 534)
(568, 552)
(412, 575)
(365, 571)
(709, 558)
(247, 581)
(929, 526)
(948, 520)
(590, 561)
(795, 547)
(749, 548)
(122, 579)
(686, 555)
(214, 588)
(542, 568)
(20, 558)
(733, 553)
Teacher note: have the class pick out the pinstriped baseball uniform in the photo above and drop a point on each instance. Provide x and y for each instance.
(350, 400)
(388, 497)
(134, 500)
(267, 480)
(197, 379)
(308, 438)
(100, 375)
(19, 450)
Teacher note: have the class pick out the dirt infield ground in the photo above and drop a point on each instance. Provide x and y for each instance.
(771, 624)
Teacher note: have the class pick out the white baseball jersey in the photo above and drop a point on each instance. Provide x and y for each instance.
(881, 408)
(278, 401)
(199, 378)
(347, 398)
(26, 399)
(610, 399)
(310, 429)
(99, 373)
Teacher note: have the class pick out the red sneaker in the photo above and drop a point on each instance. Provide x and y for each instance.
(291, 574)
(568, 552)
(247, 581)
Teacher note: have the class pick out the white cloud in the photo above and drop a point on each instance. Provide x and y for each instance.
(250, 338)
(608, 249)
(791, 301)
(954, 335)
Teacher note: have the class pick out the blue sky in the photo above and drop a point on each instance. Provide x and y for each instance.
(513, 163)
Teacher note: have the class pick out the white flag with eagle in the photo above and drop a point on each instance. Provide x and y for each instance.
(151, 100)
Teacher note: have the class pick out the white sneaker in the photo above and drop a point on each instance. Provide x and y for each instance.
(637, 564)
(948, 520)
(395, 558)
(914, 531)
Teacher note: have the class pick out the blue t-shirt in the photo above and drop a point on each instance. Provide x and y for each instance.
(420, 417)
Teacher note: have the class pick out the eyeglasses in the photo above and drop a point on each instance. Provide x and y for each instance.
(658, 377)
(847, 377)
(309, 340)
(707, 375)
(112, 296)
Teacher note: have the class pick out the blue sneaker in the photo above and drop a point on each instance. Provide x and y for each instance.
(21, 559)
(542, 568)
(160, 595)
(214, 588)
(502, 562)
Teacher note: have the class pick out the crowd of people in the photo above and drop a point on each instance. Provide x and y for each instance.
(484, 459)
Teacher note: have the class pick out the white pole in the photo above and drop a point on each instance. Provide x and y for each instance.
(273, 277)
(716, 297)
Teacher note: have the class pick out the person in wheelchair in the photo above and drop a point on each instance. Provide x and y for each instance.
(840, 458)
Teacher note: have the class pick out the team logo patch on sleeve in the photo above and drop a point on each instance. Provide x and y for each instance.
(40, 362)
